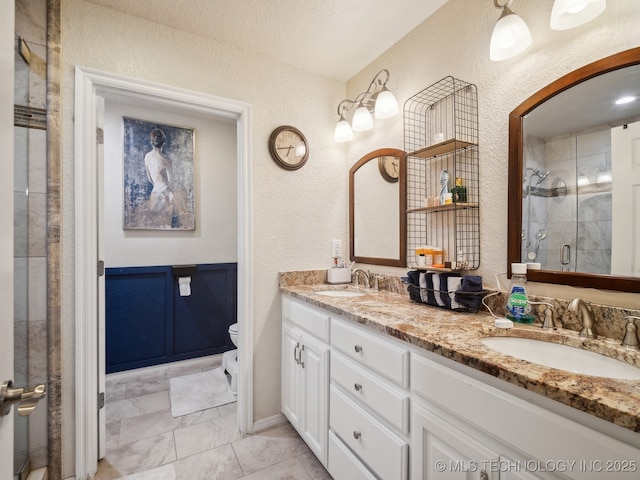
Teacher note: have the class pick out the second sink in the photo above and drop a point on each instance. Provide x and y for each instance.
(563, 357)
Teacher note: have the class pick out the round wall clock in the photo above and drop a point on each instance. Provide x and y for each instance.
(288, 147)
(389, 168)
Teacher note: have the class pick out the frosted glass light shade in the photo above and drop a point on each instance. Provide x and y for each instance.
(510, 37)
(362, 120)
(343, 132)
(386, 105)
(567, 14)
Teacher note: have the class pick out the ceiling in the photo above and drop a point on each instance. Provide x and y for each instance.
(334, 38)
(588, 104)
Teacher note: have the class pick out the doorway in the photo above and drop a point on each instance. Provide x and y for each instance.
(90, 86)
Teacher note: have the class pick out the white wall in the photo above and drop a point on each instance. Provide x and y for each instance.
(296, 214)
(214, 239)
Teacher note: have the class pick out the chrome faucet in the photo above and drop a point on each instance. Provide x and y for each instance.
(359, 272)
(630, 339)
(579, 305)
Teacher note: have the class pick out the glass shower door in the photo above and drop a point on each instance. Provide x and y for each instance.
(21, 254)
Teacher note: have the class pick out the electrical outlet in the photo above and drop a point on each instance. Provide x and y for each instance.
(336, 248)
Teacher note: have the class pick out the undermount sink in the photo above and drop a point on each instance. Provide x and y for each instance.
(341, 293)
(563, 357)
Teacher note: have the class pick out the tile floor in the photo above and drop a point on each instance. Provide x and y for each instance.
(145, 442)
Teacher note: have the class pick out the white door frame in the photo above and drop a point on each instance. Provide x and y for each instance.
(89, 84)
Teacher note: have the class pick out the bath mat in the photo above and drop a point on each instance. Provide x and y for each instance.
(199, 391)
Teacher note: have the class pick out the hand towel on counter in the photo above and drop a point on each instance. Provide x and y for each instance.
(431, 295)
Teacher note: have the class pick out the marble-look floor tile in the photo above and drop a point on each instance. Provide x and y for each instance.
(268, 448)
(219, 464)
(313, 466)
(162, 421)
(205, 436)
(112, 435)
(290, 469)
(165, 472)
(133, 407)
(147, 386)
(148, 453)
(115, 392)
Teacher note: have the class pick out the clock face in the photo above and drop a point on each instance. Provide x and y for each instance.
(288, 147)
(389, 168)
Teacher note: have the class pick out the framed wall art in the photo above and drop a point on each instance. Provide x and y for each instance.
(158, 176)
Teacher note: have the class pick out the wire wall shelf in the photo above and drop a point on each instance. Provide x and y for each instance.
(441, 135)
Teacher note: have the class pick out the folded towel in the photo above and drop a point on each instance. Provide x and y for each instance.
(471, 283)
(414, 277)
(431, 289)
(437, 285)
(423, 287)
(453, 284)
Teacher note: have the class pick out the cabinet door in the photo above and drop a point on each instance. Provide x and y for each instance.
(290, 403)
(314, 416)
(441, 451)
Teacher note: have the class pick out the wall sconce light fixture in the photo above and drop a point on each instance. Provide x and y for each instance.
(510, 36)
(568, 14)
(377, 99)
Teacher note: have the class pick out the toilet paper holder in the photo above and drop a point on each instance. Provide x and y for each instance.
(183, 270)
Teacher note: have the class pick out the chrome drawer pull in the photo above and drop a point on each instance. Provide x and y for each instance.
(358, 348)
(358, 387)
(356, 434)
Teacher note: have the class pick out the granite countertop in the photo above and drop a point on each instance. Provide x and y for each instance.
(458, 336)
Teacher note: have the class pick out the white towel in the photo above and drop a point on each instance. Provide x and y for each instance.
(423, 287)
(453, 285)
(436, 287)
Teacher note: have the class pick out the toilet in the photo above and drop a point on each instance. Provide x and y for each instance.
(230, 359)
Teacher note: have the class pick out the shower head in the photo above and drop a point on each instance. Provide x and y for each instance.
(542, 176)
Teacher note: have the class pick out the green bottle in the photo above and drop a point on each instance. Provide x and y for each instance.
(459, 192)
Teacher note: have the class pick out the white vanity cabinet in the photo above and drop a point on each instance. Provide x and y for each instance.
(463, 421)
(369, 405)
(305, 373)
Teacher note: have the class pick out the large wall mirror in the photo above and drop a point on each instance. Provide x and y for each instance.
(377, 208)
(574, 177)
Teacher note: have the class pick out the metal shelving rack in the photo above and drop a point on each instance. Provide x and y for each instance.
(441, 133)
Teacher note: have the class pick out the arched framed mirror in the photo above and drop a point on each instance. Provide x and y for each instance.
(567, 156)
(377, 208)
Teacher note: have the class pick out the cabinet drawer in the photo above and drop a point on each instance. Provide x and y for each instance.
(381, 450)
(381, 396)
(376, 353)
(313, 321)
(344, 465)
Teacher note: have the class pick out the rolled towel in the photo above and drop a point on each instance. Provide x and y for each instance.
(437, 284)
(414, 277)
(423, 287)
(431, 297)
(471, 283)
(453, 285)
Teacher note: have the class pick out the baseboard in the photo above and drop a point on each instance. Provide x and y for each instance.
(269, 422)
